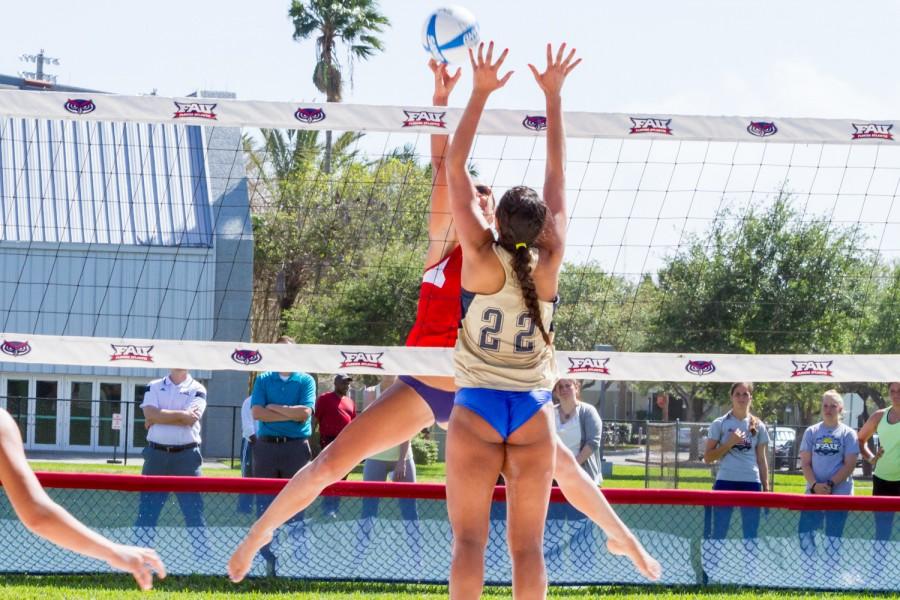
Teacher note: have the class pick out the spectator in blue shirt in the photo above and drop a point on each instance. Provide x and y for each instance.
(828, 456)
(282, 404)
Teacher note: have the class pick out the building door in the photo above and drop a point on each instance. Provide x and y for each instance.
(110, 404)
(82, 424)
(44, 423)
(15, 401)
(138, 434)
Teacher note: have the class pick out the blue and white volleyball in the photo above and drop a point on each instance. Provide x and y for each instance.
(449, 32)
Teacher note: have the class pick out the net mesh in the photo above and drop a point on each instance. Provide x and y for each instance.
(366, 537)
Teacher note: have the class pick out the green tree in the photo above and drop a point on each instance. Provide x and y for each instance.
(773, 280)
(353, 24)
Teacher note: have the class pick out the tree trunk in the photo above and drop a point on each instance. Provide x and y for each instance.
(326, 163)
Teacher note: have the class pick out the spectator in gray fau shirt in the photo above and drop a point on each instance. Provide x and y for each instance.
(828, 455)
(738, 442)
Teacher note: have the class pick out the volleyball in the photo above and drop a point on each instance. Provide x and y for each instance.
(448, 32)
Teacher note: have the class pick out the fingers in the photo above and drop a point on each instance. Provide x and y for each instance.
(472, 58)
(152, 558)
(433, 65)
(535, 72)
(572, 66)
(502, 58)
(559, 53)
(506, 78)
(490, 52)
(481, 53)
(452, 81)
(569, 57)
(549, 54)
(143, 577)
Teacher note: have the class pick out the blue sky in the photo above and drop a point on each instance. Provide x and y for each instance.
(763, 58)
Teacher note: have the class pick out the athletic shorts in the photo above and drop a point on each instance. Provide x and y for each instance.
(505, 411)
(884, 487)
(440, 401)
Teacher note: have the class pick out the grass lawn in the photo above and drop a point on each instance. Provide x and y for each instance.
(114, 587)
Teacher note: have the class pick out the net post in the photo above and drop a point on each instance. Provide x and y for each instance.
(677, 431)
(126, 421)
(232, 435)
(774, 457)
(647, 454)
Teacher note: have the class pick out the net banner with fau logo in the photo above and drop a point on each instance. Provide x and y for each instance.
(18, 348)
(349, 117)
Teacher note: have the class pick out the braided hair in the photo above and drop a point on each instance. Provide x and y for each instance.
(520, 219)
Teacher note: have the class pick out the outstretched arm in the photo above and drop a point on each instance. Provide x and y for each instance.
(472, 229)
(441, 234)
(551, 82)
(46, 518)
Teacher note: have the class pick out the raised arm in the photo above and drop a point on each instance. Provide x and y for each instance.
(472, 229)
(441, 235)
(551, 82)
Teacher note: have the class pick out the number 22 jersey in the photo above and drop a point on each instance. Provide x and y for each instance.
(499, 346)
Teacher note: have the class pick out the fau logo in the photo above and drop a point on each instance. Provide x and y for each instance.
(13, 348)
(309, 115)
(79, 106)
(812, 367)
(246, 357)
(651, 126)
(535, 122)
(761, 128)
(362, 359)
(131, 352)
(700, 367)
(424, 118)
(873, 131)
(194, 109)
(588, 365)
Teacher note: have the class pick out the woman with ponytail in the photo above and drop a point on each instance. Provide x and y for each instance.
(504, 363)
(738, 441)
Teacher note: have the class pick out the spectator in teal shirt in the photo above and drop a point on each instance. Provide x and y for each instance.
(282, 404)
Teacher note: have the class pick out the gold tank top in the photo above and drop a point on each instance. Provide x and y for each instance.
(499, 346)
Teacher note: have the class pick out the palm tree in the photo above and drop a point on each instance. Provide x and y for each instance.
(353, 23)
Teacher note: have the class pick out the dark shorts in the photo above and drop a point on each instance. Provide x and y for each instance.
(883, 487)
(505, 411)
(280, 461)
(440, 401)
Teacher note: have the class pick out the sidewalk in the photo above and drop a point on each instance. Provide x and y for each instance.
(90, 458)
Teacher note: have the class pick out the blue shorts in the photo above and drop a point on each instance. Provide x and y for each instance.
(440, 401)
(505, 411)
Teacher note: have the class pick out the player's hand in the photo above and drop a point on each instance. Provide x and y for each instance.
(558, 68)
(874, 460)
(242, 559)
(737, 437)
(443, 82)
(485, 71)
(140, 562)
(400, 469)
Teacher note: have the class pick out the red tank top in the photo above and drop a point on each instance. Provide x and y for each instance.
(437, 316)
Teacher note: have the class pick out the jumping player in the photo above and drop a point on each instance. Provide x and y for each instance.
(44, 517)
(414, 403)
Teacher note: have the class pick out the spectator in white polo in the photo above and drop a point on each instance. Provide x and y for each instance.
(173, 407)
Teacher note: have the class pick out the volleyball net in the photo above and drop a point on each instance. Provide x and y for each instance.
(400, 533)
(136, 220)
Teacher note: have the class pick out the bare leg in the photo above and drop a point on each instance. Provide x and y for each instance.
(475, 455)
(529, 471)
(394, 418)
(584, 495)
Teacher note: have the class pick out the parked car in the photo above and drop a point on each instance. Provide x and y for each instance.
(785, 447)
(684, 437)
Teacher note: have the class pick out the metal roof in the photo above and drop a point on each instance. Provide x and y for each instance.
(103, 183)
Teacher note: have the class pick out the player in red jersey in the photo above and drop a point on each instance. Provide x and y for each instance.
(414, 403)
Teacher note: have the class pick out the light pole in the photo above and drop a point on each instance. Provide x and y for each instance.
(40, 59)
